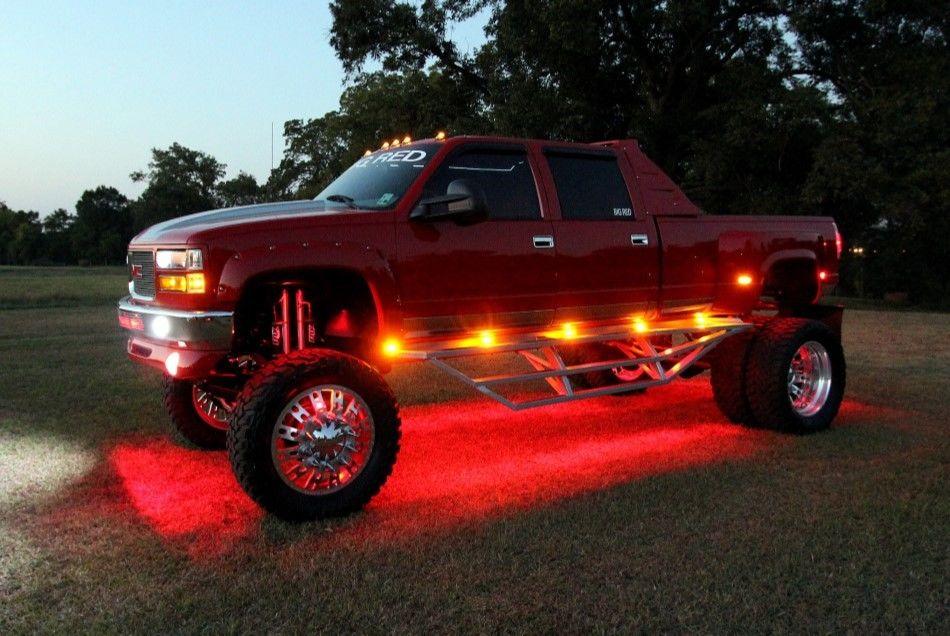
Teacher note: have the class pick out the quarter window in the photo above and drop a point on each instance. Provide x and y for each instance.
(502, 177)
(590, 187)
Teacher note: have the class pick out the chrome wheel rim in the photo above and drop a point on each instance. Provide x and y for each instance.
(322, 439)
(809, 378)
(212, 409)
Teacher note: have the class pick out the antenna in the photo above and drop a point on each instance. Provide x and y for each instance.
(272, 146)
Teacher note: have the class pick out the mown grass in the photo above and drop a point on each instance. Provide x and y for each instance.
(59, 286)
(627, 514)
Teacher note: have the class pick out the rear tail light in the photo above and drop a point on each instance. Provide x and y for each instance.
(839, 243)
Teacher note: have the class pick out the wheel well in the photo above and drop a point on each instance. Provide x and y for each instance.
(792, 282)
(340, 303)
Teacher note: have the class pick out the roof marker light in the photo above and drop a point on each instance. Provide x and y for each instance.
(406, 140)
(367, 153)
(440, 136)
(395, 143)
(385, 145)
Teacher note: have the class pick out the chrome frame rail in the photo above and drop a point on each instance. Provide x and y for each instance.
(540, 350)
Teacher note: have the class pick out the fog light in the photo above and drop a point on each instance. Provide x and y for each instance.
(171, 363)
(161, 326)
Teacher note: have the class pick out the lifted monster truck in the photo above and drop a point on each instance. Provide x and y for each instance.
(273, 323)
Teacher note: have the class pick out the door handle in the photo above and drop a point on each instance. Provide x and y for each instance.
(543, 242)
(638, 240)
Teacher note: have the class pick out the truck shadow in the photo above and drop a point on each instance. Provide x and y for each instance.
(462, 462)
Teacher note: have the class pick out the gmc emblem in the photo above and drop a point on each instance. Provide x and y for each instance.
(136, 271)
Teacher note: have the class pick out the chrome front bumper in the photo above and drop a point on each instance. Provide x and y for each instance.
(191, 329)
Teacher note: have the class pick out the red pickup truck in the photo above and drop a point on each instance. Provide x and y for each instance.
(273, 323)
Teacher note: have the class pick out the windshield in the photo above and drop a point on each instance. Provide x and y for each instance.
(379, 180)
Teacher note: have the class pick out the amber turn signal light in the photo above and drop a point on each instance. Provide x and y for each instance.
(193, 283)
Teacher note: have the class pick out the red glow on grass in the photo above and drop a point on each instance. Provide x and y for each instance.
(460, 461)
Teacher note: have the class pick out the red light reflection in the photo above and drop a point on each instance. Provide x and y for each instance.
(460, 461)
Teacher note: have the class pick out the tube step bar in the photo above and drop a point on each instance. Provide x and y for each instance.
(657, 365)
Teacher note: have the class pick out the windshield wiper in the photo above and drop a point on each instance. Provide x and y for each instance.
(342, 198)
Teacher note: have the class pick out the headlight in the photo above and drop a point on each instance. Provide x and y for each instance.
(179, 259)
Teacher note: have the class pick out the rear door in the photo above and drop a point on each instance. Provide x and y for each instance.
(498, 272)
(607, 250)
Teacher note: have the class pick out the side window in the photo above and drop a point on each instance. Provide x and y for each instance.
(503, 177)
(590, 187)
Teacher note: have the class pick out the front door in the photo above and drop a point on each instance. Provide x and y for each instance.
(493, 273)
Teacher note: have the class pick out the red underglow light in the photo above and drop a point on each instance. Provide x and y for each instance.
(460, 461)
(640, 325)
(744, 280)
(700, 319)
(568, 331)
(487, 338)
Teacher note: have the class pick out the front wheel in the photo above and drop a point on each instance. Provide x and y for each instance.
(199, 414)
(314, 434)
(795, 376)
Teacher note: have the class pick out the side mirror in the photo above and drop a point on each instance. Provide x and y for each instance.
(463, 202)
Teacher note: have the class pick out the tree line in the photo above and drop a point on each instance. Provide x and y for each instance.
(831, 107)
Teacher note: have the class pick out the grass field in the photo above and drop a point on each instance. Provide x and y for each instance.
(645, 513)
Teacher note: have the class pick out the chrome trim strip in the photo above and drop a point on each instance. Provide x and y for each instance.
(126, 305)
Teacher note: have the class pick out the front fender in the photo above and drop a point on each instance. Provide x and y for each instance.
(364, 260)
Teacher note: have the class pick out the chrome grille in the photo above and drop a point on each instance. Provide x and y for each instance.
(143, 284)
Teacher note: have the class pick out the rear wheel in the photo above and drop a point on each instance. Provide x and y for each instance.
(795, 377)
(728, 377)
(200, 415)
(315, 434)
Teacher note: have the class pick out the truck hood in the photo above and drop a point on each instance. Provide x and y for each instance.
(173, 230)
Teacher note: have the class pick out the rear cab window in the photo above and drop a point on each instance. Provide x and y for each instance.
(502, 174)
(589, 185)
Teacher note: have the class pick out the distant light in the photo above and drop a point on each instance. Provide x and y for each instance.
(171, 363)
(407, 140)
(391, 347)
(161, 326)
(486, 338)
(440, 136)
(640, 325)
(744, 279)
(568, 331)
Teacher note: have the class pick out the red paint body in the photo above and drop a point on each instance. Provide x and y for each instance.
(489, 270)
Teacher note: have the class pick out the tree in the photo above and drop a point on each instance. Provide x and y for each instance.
(21, 236)
(883, 170)
(178, 181)
(102, 227)
(241, 190)
(57, 237)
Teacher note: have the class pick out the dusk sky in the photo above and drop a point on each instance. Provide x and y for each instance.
(90, 87)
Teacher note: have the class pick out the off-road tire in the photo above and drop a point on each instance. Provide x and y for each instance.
(177, 397)
(256, 413)
(589, 352)
(728, 363)
(767, 374)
